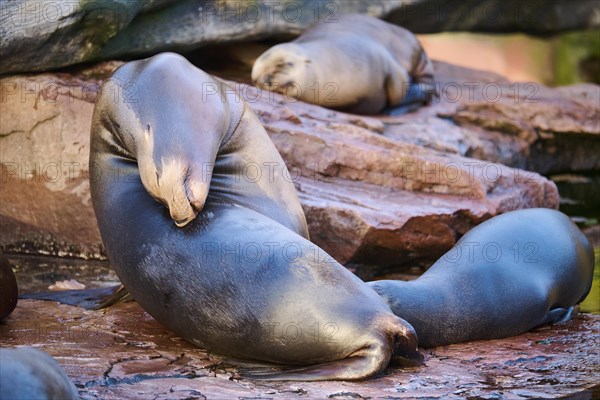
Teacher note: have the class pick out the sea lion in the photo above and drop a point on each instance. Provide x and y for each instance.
(504, 277)
(358, 64)
(8, 287)
(235, 273)
(27, 373)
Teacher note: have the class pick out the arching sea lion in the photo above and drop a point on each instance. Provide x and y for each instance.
(237, 275)
(8, 287)
(357, 64)
(504, 277)
(27, 373)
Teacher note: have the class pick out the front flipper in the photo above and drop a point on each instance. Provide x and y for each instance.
(90, 299)
(348, 369)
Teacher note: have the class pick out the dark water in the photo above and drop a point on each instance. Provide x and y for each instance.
(36, 273)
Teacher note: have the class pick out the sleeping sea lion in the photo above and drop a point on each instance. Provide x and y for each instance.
(218, 254)
(358, 64)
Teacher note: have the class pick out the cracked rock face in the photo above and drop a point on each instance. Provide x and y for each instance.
(386, 191)
(44, 150)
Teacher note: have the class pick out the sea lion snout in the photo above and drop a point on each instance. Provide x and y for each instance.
(177, 184)
(280, 67)
(265, 80)
(179, 192)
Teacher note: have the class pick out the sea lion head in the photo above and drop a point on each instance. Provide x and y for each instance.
(281, 67)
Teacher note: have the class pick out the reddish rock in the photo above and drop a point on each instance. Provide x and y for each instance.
(371, 199)
(44, 150)
(523, 125)
(122, 353)
(392, 191)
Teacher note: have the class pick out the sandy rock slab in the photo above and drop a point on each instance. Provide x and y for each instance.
(122, 353)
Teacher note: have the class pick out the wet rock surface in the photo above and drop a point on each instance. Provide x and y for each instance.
(122, 353)
(397, 191)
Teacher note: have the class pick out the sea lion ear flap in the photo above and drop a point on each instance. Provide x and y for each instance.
(149, 134)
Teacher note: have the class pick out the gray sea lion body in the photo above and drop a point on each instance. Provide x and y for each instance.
(8, 287)
(358, 64)
(27, 373)
(237, 276)
(506, 276)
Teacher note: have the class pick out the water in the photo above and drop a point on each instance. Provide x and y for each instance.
(36, 273)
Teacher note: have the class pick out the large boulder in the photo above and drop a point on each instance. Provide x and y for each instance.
(373, 192)
(370, 199)
(45, 202)
(44, 35)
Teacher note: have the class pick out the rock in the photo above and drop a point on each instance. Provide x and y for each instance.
(44, 149)
(369, 198)
(553, 122)
(188, 25)
(123, 353)
(534, 17)
(40, 36)
(521, 125)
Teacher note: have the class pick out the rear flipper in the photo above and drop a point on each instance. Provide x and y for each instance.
(562, 315)
(417, 95)
(90, 299)
(362, 364)
(348, 369)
